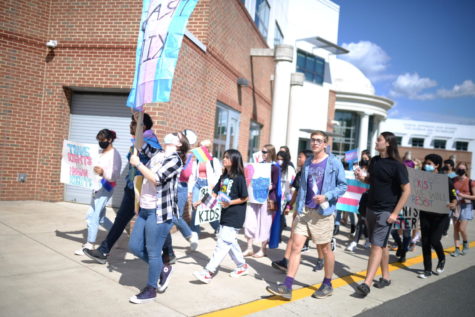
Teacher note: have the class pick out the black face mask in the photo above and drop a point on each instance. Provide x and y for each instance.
(104, 144)
(460, 171)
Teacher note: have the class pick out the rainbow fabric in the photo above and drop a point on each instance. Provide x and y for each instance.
(107, 185)
(350, 201)
(202, 154)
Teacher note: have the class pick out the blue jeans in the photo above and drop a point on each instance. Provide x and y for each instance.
(195, 196)
(97, 213)
(147, 240)
(180, 222)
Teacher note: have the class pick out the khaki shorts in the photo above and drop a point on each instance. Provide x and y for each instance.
(312, 224)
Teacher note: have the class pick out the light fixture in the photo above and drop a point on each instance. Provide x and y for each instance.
(242, 82)
(52, 44)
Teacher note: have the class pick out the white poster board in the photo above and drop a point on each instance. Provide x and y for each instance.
(258, 179)
(429, 191)
(77, 164)
(204, 212)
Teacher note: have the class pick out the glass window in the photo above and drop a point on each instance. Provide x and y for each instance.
(461, 146)
(254, 138)
(348, 128)
(439, 144)
(399, 140)
(226, 130)
(278, 36)
(417, 142)
(312, 66)
(262, 16)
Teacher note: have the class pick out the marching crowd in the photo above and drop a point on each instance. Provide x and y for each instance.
(169, 176)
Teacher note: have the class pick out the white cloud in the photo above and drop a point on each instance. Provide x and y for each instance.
(370, 58)
(411, 86)
(467, 88)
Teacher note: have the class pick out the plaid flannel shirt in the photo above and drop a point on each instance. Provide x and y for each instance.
(167, 190)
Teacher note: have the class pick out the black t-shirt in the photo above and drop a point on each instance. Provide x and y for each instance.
(296, 182)
(234, 187)
(386, 177)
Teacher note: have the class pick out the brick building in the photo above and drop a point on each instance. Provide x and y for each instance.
(48, 95)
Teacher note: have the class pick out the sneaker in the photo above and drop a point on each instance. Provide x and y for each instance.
(456, 252)
(280, 290)
(304, 249)
(336, 230)
(193, 241)
(324, 291)
(164, 278)
(172, 259)
(352, 229)
(440, 267)
(319, 265)
(84, 246)
(96, 255)
(240, 271)
(465, 248)
(402, 259)
(204, 276)
(367, 244)
(351, 247)
(363, 289)
(333, 244)
(382, 283)
(147, 294)
(280, 265)
(426, 274)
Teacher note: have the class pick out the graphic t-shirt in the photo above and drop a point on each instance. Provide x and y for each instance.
(234, 187)
(315, 176)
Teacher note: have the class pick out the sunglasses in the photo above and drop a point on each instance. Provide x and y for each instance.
(265, 152)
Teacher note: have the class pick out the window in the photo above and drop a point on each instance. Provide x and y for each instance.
(254, 138)
(226, 130)
(262, 16)
(461, 146)
(313, 67)
(399, 140)
(439, 144)
(278, 36)
(348, 129)
(417, 142)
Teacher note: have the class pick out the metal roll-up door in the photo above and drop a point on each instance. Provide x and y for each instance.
(90, 113)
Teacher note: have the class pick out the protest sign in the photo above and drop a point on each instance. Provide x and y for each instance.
(429, 191)
(407, 218)
(350, 201)
(209, 210)
(258, 180)
(77, 164)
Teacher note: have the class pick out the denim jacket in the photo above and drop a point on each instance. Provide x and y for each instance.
(334, 184)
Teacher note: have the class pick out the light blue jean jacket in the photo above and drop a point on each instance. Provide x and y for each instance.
(334, 184)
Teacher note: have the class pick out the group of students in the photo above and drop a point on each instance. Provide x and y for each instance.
(171, 176)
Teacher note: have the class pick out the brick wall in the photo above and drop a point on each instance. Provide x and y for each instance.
(96, 49)
(420, 153)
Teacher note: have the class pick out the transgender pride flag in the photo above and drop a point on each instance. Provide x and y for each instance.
(162, 27)
(351, 199)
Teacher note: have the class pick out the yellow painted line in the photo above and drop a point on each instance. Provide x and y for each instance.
(274, 301)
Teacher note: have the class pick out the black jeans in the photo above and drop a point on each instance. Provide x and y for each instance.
(432, 226)
(125, 213)
(360, 229)
(406, 240)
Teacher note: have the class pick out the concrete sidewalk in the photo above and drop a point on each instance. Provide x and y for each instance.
(40, 275)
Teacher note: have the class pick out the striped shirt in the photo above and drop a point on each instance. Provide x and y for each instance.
(167, 191)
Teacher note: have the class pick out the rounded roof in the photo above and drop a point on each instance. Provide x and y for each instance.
(347, 77)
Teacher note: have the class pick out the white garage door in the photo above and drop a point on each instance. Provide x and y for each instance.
(90, 113)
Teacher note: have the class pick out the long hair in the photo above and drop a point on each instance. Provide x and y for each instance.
(391, 149)
(237, 167)
(286, 160)
(270, 152)
(184, 147)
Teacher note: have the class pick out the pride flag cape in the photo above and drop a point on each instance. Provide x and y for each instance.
(107, 185)
(275, 229)
(202, 154)
(162, 27)
(351, 199)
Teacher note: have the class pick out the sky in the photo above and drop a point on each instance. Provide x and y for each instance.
(418, 53)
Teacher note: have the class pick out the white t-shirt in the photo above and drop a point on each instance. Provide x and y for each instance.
(111, 164)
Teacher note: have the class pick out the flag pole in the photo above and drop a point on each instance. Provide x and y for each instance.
(138, 179)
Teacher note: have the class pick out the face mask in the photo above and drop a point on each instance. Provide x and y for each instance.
(429, 168)
(460, 171)
(104, 144)
(280, 162)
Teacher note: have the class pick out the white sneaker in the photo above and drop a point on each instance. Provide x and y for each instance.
(204, 276)
(240, 271)
(193, 241)
(84, 246)
(351, 247)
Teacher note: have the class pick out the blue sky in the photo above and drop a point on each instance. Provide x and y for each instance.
(419, 53)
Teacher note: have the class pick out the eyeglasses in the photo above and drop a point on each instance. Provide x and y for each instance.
(265, 152)
(318, 141)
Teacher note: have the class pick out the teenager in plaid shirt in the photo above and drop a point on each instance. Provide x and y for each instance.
(158, 207)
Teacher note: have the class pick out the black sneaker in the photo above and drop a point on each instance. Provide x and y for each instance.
(363, 289)
(280, 265)
(402, 259)
(426, 274)
(164, 278)
(147, 294)
(96, 255)
(382, 283)
(440, 267)
(280, 290)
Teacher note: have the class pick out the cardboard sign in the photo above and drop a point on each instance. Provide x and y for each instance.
(209, 210)
(429, 191)
(407, 219)
(77, 164)
(258, 181)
